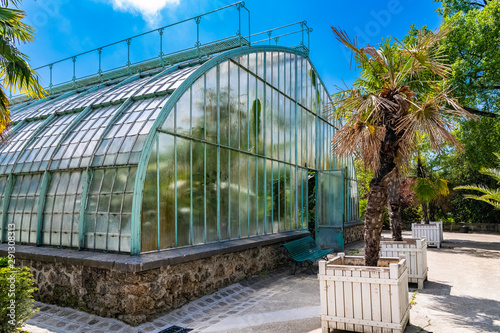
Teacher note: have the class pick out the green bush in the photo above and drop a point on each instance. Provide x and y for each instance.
(16, 296)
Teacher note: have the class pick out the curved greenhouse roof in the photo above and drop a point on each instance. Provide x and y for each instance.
(204, 151)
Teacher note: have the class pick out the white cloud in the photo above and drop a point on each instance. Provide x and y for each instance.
(149, 9)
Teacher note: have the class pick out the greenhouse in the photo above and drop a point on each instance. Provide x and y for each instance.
(215, 148)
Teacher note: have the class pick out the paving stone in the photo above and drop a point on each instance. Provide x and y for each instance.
(116, 327)
(73, 316)
(128, 329)
(54, 310)
(61, 324)
(103, 324)
(93, 322)
(72, 327)
(160, 324)
(65, 313)
(149, 329)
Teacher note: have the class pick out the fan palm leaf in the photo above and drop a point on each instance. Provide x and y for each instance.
(16, 74)
(490, 196)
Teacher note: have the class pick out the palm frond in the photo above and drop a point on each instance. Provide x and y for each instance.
(489, 201)
(12, 28)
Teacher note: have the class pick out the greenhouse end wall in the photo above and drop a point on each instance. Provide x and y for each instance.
(234, 155)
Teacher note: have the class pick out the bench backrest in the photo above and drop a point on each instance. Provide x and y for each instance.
(301, 245)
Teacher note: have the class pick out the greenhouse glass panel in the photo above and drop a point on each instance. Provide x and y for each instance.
(183, 190)
(107, 227)
(123, 143)
(149, 218)
(83, 100)
(62, 209)
(167, 190)
(198, 198)
(38, 153)
(223, 102)
(166, 82)
(11, 149)
(23, 208)
(224, 165)
(211, 184)
(77, 148)
(122, 92)
(25, 112)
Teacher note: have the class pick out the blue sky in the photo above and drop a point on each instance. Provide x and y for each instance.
(68, 27)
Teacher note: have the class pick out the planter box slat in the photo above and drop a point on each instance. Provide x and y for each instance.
(364, 299)
(415, 251)
(367, 301)
(432, 232)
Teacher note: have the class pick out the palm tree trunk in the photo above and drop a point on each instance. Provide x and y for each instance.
(377, 199)
(394, 204)
(425, 210)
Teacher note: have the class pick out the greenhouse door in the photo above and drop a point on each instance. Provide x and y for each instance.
(329, 210)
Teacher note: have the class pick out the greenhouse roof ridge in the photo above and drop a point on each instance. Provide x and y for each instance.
(82, 70)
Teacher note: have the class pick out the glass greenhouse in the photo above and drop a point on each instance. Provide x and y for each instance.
(203, 151)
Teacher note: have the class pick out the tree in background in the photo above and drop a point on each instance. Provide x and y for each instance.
(428, 189)
(399, 93)
(472, 49)
(490, 196)
(16, 74)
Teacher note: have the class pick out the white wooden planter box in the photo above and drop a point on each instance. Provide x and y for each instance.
(364, 299)
(432, 232)
(415, 252)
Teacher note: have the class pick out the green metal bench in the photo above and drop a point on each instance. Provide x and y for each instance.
(305, 251)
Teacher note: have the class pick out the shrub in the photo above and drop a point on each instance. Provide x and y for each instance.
(16, 296)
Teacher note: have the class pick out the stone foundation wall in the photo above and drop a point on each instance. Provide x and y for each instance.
(353, 232)
(136, 296)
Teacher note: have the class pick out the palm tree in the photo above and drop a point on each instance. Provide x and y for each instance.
(490, 196)
(400, 93)
(16, 74)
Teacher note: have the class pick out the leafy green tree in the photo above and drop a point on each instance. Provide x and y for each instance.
(472, 49)
(399, 94)
(490, 196)
(15, 71)
(427, 189)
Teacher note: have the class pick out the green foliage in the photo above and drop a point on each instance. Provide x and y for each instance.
(15, 73)
(364, 175)
(480, 139)
(362, 208)
(472, 49)
(490, 196)
(427, 190)
(16, 296)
